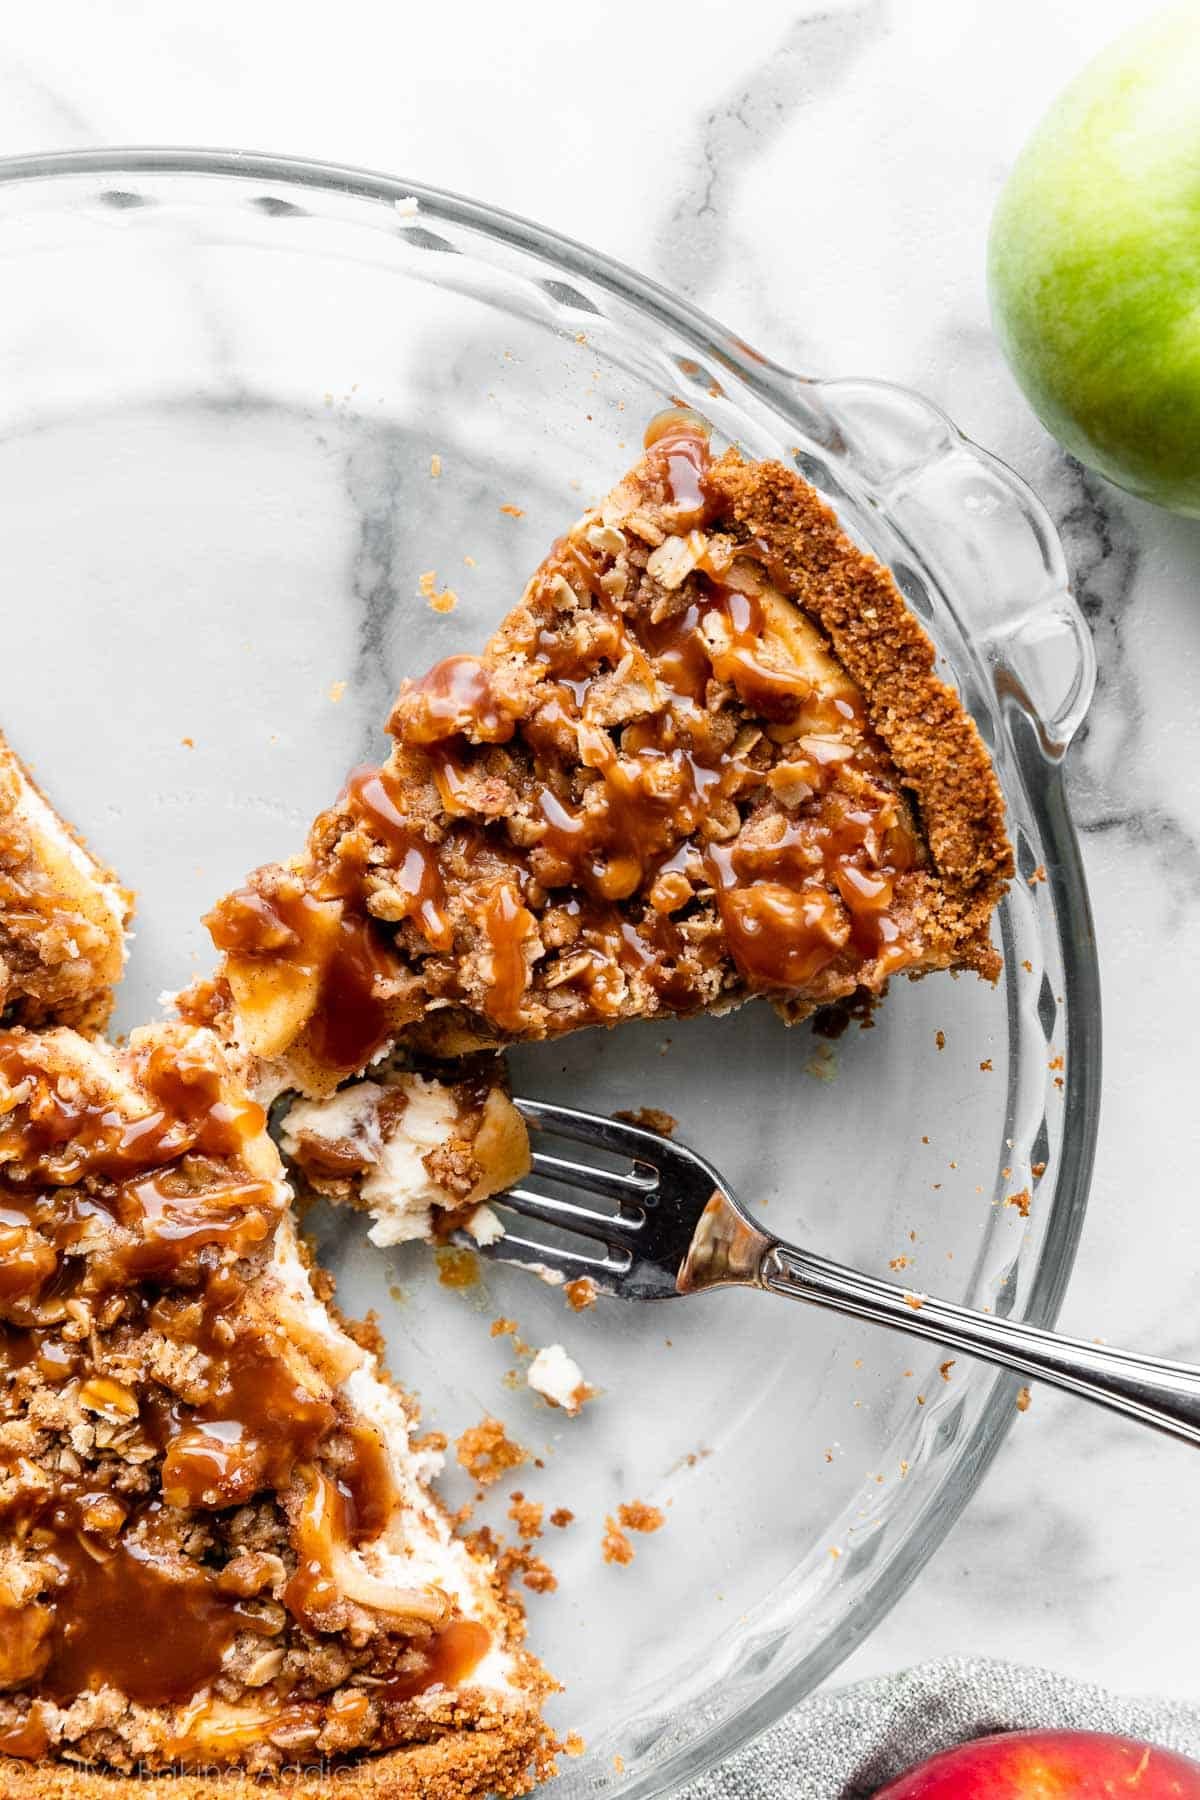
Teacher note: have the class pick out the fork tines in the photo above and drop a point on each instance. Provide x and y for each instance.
(616, 1232)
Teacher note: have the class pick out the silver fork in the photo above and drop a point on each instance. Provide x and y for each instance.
(672, 1226)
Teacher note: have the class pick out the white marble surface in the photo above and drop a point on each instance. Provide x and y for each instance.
(820, 177)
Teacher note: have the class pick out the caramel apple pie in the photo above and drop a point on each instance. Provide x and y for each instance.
(62, 914)
(220, 1552)
(706, 756)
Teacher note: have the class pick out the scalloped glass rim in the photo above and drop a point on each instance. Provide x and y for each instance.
(898, 467)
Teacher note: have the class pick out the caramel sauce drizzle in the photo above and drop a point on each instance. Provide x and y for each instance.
(371, 796)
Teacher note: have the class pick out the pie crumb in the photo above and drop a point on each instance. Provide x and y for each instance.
(442, 601)
(637, 1515)
(649, 1118)
(632, 1515)
(579, 1294)
(536, 1574)
(559, 1380)
(561, 1517)
(526, 1515)
(1021, 1201)
(1024, 1399)
(615, 1545)
(486, 1451)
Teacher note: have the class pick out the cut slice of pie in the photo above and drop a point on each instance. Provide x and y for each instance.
(706, 756)
(63, 915)
(218, 1547)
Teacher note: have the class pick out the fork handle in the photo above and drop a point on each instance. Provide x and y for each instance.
(1148, 1388)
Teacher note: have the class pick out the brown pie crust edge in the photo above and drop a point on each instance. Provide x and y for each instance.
(466, 1762)
(933, 741)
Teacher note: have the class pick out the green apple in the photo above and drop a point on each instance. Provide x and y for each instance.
(1094, 263)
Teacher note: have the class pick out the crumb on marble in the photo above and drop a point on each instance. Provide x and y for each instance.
(615, 1546)
(639, 1515)
(526, 1515)
(632, 1515)
(442, 600)
(486, 1451)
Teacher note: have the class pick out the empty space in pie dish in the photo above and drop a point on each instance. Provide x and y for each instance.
(226, 479)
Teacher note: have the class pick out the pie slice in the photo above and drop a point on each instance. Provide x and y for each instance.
(218, 1547)
(706, 756)
(63, 915)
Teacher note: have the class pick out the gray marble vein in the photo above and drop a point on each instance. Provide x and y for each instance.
(811, 61)
(1114, 787)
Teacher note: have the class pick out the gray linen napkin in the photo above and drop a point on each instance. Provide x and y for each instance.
(845, 1744)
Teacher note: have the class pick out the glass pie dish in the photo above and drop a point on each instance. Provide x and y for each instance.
(253, 414)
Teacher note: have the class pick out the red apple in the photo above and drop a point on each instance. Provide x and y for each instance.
(1050, 1765)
